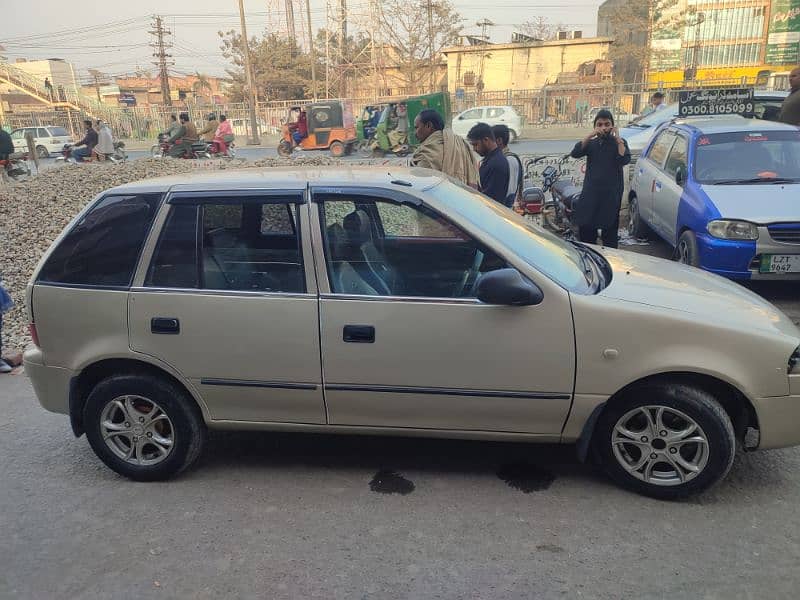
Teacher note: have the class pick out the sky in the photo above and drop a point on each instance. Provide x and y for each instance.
(90, 35)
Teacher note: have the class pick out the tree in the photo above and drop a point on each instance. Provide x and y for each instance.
(417, 34)
(281, 69)
(201, 84)
(541, 29)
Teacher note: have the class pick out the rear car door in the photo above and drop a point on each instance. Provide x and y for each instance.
(226, 301)
(649, 178)
(668, 201)
(406, 344)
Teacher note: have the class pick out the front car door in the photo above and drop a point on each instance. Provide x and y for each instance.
(649, 179)
(669, 199)
(406, 344)
(228, 300)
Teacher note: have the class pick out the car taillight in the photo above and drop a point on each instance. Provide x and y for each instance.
(34, 333)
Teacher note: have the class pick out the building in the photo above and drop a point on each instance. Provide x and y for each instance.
(30, 76)
(625, 21)
(716, 42)
(146, 91)
(519, 66)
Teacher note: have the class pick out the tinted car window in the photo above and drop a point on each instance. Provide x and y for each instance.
(174, 262)
(678, 156)
(58, 131)
(495, 112)
(660, 148)
(475, 113)
(41, 132)
(103, 247)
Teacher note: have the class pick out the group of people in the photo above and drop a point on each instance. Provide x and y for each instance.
(97, 143)
(182, 133)
(500, 173)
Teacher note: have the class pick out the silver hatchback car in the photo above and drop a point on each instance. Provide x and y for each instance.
(396, 303)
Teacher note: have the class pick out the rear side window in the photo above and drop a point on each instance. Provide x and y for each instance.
(102, 249)
(661, 147)
(41, 132)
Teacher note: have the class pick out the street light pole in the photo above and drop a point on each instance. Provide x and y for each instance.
(248, 69)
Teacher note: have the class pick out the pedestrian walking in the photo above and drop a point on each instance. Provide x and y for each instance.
(442, 150)
(48, 88)
(33, 153)
(606, 153)
(790, 109)
(494, 171)
(502, 135)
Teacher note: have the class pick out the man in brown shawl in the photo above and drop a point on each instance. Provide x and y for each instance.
(443, 150)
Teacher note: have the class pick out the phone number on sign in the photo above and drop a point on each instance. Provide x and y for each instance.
(729, 108)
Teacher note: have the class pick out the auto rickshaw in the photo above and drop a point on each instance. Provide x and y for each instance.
(330, 126)
(384, 142)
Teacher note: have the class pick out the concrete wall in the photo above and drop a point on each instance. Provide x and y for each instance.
(520, 66)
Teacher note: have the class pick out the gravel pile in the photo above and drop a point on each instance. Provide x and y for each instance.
(34, 212)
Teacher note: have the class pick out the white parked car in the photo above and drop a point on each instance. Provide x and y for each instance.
(492, 115)
(47, 139)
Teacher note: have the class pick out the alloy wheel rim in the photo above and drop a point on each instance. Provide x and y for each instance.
(633, 218)
(660, 445)
(683, 253)
(137, 430)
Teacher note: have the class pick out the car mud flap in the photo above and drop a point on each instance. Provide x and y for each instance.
(75, 409)
(584, 442)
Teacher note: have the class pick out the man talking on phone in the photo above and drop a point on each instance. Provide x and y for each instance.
(606, 153)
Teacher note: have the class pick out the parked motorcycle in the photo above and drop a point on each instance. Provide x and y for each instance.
(15, 167)
(161, 150)
(555, 212)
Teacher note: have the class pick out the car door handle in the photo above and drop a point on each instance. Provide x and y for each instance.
(359, 334)
(165, 325)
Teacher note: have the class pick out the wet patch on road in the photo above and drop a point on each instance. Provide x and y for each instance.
(549, 548)
(387, 481)
(526, 477)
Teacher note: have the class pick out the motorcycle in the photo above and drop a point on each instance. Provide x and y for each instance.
(554, 214)
(119, 154)
(15, 167)
(213, 150)
(161, 150)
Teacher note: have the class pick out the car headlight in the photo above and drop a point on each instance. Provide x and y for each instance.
(732, 230)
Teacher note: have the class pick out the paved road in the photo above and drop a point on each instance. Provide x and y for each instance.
(280, 516)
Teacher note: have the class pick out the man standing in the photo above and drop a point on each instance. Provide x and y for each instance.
(606, 153)
(48, 88)
(657, 101)
(88, 142)
(515, 174)
(790, 109)
(442, 150)
(186, 133)
(494, 169)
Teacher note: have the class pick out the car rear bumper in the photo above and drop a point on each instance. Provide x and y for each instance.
(51, 384)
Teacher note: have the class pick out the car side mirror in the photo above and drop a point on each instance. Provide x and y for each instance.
(680, 176)
(508, 287)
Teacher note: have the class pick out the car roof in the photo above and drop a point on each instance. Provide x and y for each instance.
(410, 179)
(729, 124)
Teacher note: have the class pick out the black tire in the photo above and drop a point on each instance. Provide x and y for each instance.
(686, 251)
(284, 149)
(337, 149)
(42, 152)
(714, 423)
(186, 425)
(156, 152)
(637, 228)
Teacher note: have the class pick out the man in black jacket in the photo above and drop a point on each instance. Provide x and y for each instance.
(89, 141)
(606, 153)
(494, 166)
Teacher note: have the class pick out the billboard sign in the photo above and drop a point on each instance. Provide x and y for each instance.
(783, 35)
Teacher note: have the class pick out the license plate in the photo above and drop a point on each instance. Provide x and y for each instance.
(780, 263)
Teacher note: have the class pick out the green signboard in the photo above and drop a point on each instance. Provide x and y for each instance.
(783, 36)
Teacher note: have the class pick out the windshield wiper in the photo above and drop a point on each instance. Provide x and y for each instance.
(587, 262)
(755, 180)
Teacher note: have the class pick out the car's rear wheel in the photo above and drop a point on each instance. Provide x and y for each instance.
(143, 427)
(636, 227)
(665, 440)
(686, 251)
(42, 152)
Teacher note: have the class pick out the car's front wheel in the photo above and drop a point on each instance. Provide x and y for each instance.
(686, 250)
(665, 440)
(143, 427)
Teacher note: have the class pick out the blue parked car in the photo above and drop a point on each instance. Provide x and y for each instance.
(725, 193)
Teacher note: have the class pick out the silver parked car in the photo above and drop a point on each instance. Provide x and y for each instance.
(394, 303)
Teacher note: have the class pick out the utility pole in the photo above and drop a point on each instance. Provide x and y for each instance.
(340, 63)
(97, 75)
(162, 63)
(291, 32)
(429, 6)
(313, 52)
(254, 139)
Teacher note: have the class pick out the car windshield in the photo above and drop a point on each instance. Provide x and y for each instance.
(749, 157)
(656, 117)
(559, 260)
